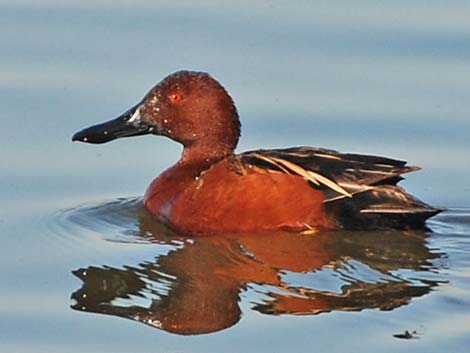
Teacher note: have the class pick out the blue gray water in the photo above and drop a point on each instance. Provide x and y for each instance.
(368, 77)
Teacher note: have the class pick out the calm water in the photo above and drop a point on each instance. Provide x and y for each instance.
(85, 269)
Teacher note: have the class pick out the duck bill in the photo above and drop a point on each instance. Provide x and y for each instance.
(128, 124)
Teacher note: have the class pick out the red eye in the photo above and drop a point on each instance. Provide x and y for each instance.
(175, 98)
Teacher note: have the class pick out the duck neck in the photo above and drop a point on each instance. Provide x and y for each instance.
(205, 155)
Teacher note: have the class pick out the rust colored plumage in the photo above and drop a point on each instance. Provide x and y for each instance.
(221, 199)
(213, 190)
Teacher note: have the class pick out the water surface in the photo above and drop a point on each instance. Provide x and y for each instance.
(85, 269)
(198, 285)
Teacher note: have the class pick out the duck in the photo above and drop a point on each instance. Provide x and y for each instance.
(213, 190)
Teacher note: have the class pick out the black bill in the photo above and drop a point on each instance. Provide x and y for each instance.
(128, 124)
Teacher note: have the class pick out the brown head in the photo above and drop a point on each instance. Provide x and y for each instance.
(189, 107)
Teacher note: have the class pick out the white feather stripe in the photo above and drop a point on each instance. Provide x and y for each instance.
(394, 210)
(309, 175)
(330, 183)
(296, 169)
(270, 160)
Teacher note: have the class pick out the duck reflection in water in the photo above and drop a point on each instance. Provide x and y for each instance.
(196, 287)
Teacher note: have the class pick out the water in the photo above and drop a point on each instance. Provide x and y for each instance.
(78, 252)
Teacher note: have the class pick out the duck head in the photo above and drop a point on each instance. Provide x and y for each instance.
(189, 107)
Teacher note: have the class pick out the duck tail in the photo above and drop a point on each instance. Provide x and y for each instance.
(381, 207)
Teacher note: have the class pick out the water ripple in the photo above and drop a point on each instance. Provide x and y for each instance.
(196, 285)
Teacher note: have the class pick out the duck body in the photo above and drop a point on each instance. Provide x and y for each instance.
(231, 196)
(212, 190)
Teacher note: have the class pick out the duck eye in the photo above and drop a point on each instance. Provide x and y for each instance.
(175, 98)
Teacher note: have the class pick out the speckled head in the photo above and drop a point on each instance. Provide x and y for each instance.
(189, 107)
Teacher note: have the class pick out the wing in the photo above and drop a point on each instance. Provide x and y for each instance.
(338, 174)
(360, 190)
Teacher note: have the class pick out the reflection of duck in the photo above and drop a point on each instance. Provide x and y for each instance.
(195, 288)
(213, 190)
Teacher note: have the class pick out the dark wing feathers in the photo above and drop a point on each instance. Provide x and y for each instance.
(385, 206)
(360, 190)
(307, 151)
(352, 172)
